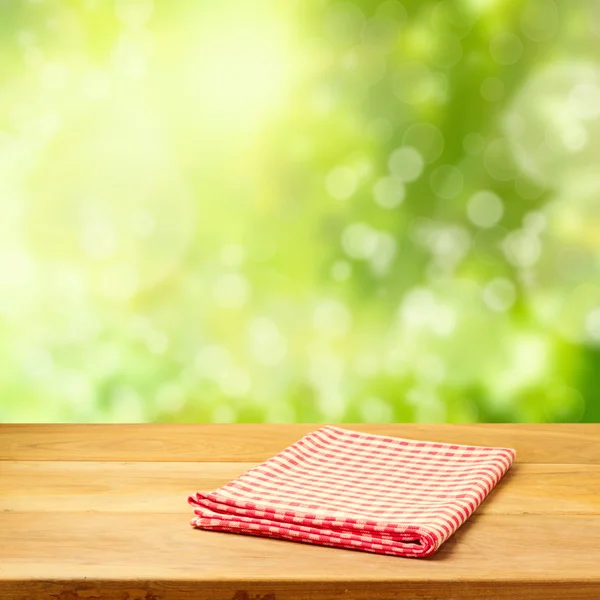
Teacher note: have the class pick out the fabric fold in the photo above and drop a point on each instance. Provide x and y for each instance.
(343, 488)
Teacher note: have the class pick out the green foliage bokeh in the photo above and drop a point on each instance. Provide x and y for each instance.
(299, 211)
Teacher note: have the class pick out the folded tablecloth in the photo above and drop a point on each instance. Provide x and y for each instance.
(336, 487)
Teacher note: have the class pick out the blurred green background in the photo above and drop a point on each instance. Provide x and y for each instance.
(299, 210)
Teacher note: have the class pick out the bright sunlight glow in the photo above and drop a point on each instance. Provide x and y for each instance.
(242, 74)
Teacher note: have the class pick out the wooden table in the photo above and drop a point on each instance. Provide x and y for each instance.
(100, 512)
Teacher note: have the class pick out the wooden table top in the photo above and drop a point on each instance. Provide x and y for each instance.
(100, 512)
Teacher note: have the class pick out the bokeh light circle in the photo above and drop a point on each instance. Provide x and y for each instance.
(485, 208)
(506, 48)
(499, 295)
(414, 83)
(341, 182)
(499, 161)
(473, 143)
(389, 192)
(406, 163)
(426, 138)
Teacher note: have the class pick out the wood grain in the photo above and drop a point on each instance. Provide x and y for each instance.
(44, 486)
(156, 546)
(113, 546)
(99, 513)
(558, 444)
(56, 589)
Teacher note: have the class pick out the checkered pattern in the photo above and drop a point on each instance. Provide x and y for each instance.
(342, 488)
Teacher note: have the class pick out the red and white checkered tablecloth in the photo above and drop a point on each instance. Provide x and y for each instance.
(342, 488)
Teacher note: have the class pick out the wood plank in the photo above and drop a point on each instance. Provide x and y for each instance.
(45, 486)
(556, 443)
(54, 589)
(142, 552)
